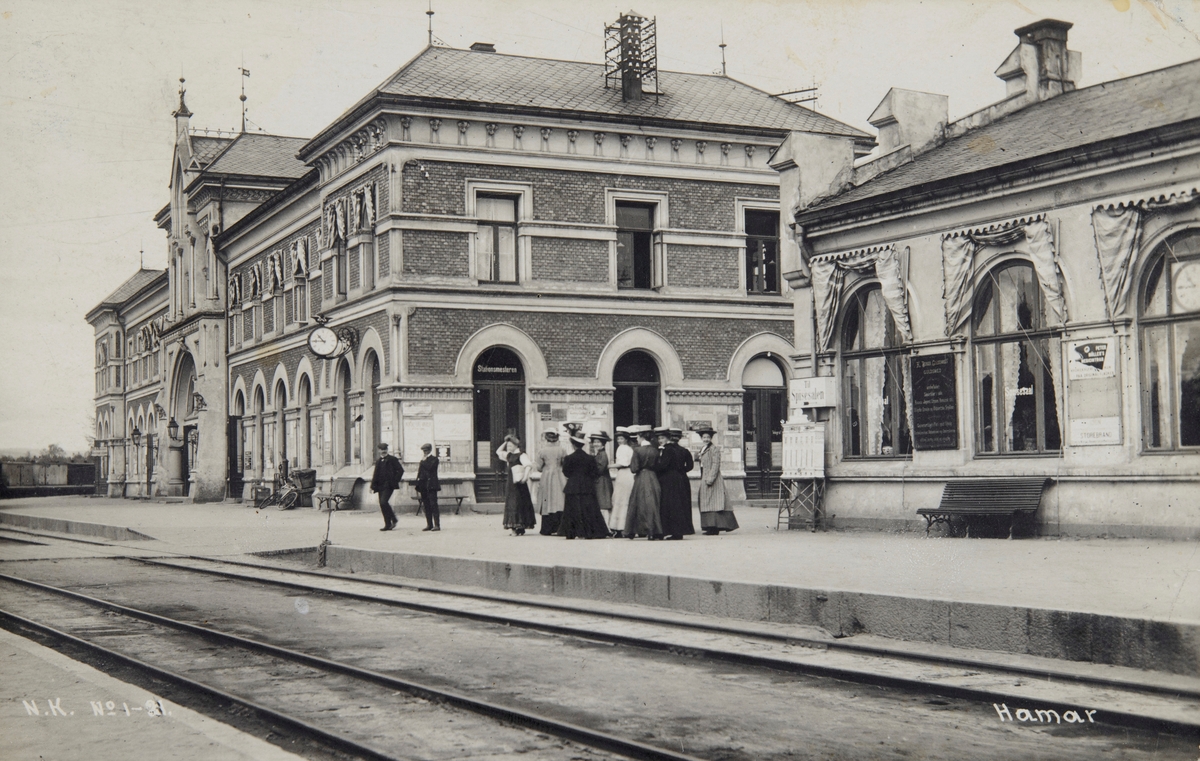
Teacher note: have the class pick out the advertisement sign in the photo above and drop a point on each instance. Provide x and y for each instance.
(803, 450)
(1092, 358)
(807, 393)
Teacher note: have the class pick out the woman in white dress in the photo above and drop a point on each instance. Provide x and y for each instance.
(622, 482)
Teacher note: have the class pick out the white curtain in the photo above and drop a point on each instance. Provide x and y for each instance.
(829, 275)
(1118, 232)
(958, 257)
(1045, 264)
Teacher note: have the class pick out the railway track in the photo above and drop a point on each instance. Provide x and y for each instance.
(782, 679)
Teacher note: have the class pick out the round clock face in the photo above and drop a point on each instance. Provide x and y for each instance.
(323, 342)
(1187, 287)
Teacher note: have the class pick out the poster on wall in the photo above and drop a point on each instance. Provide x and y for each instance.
(1092, 358)
(452, 427)
(417, 431)
(935, 402)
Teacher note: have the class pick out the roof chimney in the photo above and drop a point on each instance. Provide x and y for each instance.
(631, 54)
(910, 118)
(1041, 66)
(483, 47)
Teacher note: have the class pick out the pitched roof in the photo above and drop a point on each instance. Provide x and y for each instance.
(517, 82)
(1075, 119)
(142, 279)
(206, 148)
(260, 156)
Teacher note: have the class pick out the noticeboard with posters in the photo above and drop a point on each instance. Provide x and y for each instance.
(803, 450)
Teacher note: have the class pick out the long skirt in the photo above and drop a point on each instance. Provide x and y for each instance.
(622, 489)
(518, 508)
(676, 504)
(643, 518)
(722, 520)
(550, 523)
(581, 517)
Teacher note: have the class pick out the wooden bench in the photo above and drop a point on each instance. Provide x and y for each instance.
(986, 497)
(340, 492)
(452, 488)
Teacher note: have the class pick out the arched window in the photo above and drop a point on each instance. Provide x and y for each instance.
(874, 362)
(1169, 318)
(1017, 364)
(636, 390)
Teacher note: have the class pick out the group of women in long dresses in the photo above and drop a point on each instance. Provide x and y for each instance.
(645, 492)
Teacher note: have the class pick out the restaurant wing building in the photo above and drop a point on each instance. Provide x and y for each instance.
(1016, 293)
(498, 244)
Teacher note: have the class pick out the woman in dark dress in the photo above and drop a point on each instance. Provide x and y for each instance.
(643, 517)
(518, 506)
(672, 468)
(581, 515)
(604, 484)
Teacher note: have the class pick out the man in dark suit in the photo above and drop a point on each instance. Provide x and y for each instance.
(428, 487)
(388, 472)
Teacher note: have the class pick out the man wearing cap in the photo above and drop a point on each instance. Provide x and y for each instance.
(672, 468)
(386, 479)
(428, 487)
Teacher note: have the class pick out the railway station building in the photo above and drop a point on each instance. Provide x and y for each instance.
(1016, 293)
(500, 244)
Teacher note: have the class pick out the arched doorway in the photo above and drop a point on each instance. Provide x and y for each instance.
(279, 427)
(499, 379)
(373, 406)
(763, 412)
(236, 444)
(256, 448)
(184, 413)
(636, 391)
(305, 442)
(342, 422)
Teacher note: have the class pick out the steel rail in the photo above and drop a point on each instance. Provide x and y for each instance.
(863, 649)
(297, 725)
(565, 730)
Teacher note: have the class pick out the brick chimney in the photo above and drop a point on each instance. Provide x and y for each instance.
(1041, 66)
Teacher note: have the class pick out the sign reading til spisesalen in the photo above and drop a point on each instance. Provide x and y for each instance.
(935, 402)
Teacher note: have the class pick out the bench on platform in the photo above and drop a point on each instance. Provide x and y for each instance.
(340, 492)
(452, 488)
(968, 499)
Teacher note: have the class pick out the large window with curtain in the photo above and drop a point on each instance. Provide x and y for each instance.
(1169, 321)
(1017, 365)
(874, 362)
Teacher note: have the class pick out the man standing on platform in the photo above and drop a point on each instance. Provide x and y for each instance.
(388, 472)
(428, 487)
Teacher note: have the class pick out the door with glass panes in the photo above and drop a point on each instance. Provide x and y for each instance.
(499, 410)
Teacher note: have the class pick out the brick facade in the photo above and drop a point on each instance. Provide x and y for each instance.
(580, 261)
(572, 343)
(435, 253)
(702, 266)
(568, 196)
(383, 255)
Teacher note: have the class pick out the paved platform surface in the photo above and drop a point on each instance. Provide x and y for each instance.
(55, 708)
(1140, 579)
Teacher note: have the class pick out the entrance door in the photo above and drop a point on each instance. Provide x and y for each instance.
(763, 412)
(233, 440)
(499, 410)
(186, 455)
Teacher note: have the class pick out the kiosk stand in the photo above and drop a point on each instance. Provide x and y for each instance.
(802, 483)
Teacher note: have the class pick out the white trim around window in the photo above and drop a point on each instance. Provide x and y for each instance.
(741, 206)
(522, 192)
(662, 219)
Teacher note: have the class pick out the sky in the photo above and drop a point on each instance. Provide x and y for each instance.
(87, 88)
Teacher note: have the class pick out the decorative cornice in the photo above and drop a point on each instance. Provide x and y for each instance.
(603, 393)
(701, 396)
(422, 393)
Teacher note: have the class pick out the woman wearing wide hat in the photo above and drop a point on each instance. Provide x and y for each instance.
(550, 488)
(675, 505)
(604, 484)
(643, 517)
(715, 515)
(518, 507)
(622, 485)
(581, 515)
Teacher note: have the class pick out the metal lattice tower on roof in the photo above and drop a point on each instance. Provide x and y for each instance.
(631, 55)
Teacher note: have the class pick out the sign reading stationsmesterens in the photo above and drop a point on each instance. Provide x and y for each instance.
(935, 402)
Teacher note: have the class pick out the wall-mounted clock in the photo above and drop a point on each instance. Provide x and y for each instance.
(1187, 287)
(324, 342)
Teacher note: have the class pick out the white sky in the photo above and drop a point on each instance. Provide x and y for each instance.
(87, 88)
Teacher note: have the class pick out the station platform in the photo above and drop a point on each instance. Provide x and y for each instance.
(1124, 602)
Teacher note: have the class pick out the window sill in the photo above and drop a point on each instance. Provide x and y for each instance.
(1018, 455)
(1168, 452)
(877, 458)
